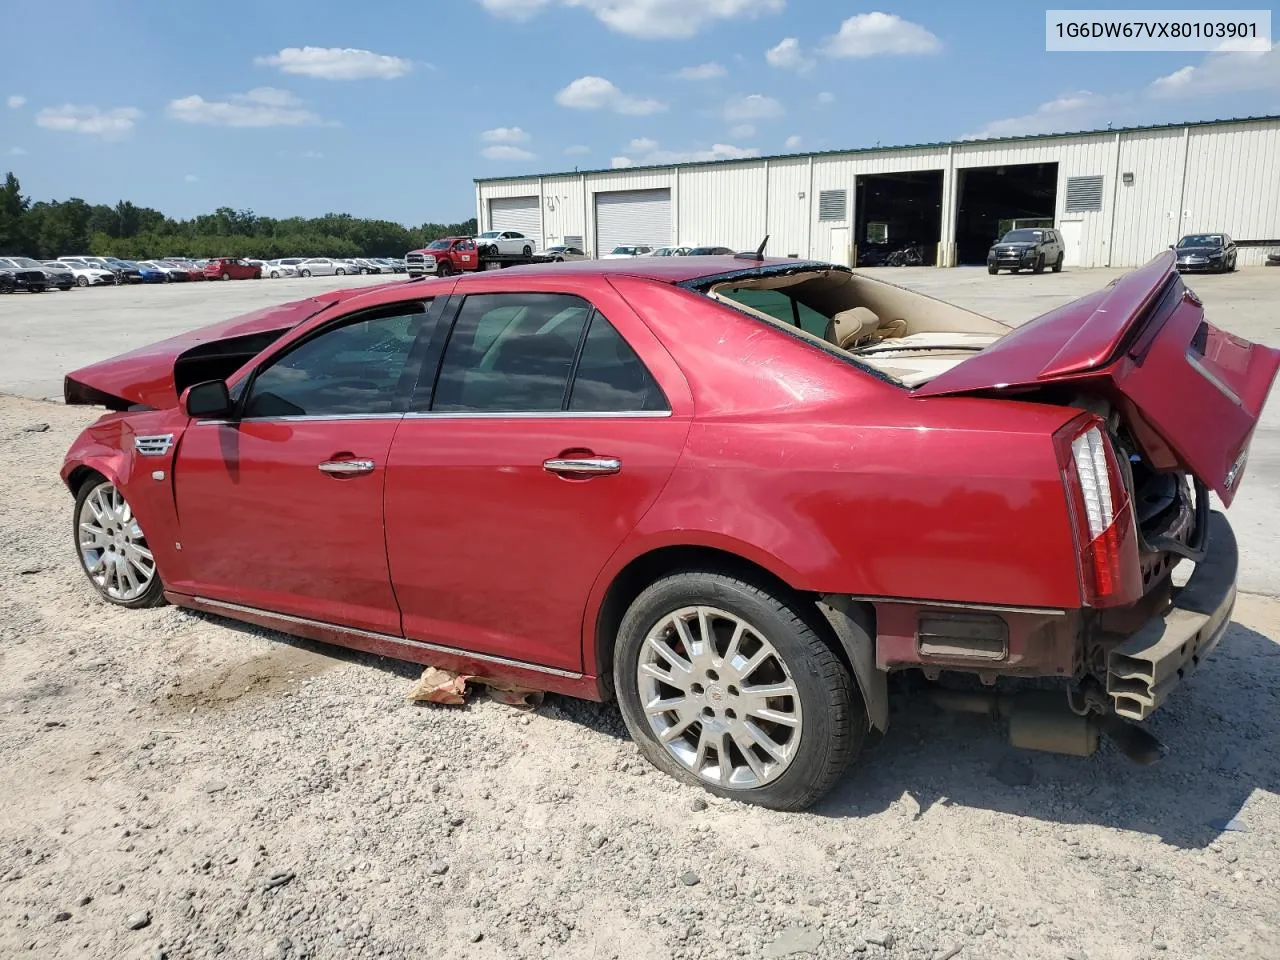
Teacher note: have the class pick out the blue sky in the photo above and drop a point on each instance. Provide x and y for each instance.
(391, 109)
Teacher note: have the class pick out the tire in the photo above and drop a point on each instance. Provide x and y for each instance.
(444, 269)
(339, 272)
(1057, 264)
(829, 717)
(102, 492)
(993, 270)
(527, 251)
(82, 281)
(1232, 267)
(226, 276)
(275, 274)
(306, 273)
(1039, 265)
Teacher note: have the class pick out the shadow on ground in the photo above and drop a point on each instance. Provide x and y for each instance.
(1221, 729)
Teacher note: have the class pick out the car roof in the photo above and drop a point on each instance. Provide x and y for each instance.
(663, 269)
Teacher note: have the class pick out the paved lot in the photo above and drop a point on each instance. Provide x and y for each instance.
(43, 336)
(180, 786)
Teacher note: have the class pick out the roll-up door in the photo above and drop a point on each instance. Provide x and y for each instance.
(516, 213)
(626, 217)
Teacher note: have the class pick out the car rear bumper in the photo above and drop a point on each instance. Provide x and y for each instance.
(1144, 669)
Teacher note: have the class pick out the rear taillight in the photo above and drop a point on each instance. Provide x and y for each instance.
(1101, 514)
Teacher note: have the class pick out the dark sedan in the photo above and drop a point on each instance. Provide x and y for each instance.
(31, 279)
(1210, 252)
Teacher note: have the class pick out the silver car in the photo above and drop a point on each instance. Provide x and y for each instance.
(562, 252)
(324, 267)
(275, 269)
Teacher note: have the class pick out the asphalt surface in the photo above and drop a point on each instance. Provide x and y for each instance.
(42, 336)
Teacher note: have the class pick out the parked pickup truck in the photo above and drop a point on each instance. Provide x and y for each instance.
(443, 257)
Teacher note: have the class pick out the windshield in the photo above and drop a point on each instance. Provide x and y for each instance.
(624, 250)
(488, 235)
(438, 245)
(1022, 236)
(1201, 240)
(24, 261)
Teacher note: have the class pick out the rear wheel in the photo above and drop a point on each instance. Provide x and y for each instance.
(726, 685)
(112, 548)
(527, 251)
(275, 274)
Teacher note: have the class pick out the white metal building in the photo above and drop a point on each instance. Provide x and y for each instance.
(1118, 196)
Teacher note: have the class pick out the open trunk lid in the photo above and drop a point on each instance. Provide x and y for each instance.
(1191, 393)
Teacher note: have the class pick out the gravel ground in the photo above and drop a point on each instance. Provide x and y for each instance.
(181, 786)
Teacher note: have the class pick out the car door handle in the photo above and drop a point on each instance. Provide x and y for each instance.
(347, 468)
(596, 466)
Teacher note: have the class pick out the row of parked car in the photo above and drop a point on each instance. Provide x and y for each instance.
(36, 276)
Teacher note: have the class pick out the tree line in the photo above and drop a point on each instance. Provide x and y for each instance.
(49, 229)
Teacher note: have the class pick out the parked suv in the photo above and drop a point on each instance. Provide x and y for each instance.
(1029, 248)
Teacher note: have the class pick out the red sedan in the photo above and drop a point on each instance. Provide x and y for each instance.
(733, 494)
(231, 268)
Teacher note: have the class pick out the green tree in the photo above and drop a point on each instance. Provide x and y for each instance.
(13, 210)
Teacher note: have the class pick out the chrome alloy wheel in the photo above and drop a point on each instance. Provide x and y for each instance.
(113, 547)
(719, 697)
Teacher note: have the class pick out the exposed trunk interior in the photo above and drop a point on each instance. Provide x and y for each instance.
(894, 211)
(902, 335)
(994, 200)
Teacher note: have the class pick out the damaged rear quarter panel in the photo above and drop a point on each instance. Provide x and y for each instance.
(841, 483)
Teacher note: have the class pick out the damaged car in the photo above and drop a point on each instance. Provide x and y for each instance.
(735, 494)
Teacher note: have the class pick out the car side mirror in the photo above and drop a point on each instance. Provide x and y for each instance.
(210, 399)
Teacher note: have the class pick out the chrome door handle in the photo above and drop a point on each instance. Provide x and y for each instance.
(599, 466)
(347, 468)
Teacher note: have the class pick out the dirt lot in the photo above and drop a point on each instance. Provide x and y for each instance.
(233, 793)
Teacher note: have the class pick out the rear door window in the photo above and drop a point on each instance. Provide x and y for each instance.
(610, 378)
(511, 353)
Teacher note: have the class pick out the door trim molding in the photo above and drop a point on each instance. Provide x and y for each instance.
(238, 610)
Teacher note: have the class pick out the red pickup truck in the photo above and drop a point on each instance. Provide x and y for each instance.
(443, 257)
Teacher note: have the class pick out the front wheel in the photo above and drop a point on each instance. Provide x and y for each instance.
(993, 270)
(113, 549)
(226, 276)
(527, 251)
(82, 281)
(339, 272)
(275, 274)
(306, 273)
(444, 269)
(1057, 264)
(727, 685)
(1038, 267)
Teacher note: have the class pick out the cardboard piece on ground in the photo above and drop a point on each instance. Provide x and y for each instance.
(440, 686)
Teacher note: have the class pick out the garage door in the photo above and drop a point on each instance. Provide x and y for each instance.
(516, 213)
(625, 217)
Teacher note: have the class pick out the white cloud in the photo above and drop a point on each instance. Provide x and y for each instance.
(505, 151)
(336, 63)
(793, 142)
(260, 107)
(755, 106)
(576, 150)
(93, 121)
(647, 19)
(619, 162)
(16, 101)
(787, 55)
(16, 152)
(597, 93)
(875, 34)
(647, 151)
(703, 71)
(1221, 73)
(504, 135)
(742, 131)
(826, 97)
(1071, 111)
(312, 155)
